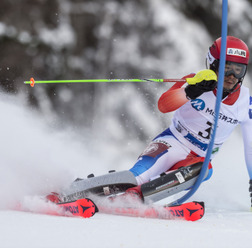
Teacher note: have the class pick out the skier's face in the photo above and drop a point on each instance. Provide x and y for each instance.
(229, 82)
(233, 73)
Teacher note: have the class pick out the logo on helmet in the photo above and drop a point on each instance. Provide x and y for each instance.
(210, 57)
(236, 52)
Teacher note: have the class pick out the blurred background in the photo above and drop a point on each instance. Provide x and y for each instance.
(95, 39)
(82, 39)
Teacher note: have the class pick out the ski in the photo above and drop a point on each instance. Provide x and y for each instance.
(191, 211)
(85, 208)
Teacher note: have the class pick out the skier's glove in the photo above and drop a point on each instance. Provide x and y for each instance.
(250, 191)
(203, 81)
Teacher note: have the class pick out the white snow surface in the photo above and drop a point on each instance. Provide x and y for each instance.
(35, 160)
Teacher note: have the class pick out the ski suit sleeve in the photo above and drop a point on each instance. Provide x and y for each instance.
(173, 98)
(247, 140)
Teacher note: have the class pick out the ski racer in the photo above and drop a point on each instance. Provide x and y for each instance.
(172, 161)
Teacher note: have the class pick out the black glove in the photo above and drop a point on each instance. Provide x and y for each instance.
(203, 81)
(250, 191)
(195, 90)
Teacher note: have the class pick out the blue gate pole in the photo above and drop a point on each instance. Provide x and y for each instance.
(217, 105)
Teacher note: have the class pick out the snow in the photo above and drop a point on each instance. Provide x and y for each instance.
(36, 159)
(223, 229)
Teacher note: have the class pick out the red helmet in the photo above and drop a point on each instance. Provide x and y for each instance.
(236, 51)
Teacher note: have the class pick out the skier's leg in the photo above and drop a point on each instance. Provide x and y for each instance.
(180, 177)
(161, 154)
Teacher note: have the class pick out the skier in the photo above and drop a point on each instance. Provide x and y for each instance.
(172, 161)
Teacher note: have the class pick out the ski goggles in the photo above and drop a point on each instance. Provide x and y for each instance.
(238, 70)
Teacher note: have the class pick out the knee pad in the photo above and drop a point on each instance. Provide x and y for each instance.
(156, 148)
(149, 157)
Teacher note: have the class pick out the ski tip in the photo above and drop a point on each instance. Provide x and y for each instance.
(87, 207)
(93, 204)
(200, 203)
(193, 210)
(84, 208)
(201, 210)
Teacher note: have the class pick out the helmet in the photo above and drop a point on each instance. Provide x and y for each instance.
(236, 53)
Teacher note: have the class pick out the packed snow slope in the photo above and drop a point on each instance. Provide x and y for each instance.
(35, 159)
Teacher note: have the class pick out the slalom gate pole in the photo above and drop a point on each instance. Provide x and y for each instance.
(217, 105)
(32, 82)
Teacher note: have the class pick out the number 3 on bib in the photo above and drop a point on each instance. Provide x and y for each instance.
(207, 132)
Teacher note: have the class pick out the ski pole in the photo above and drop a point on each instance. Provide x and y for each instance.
(200, 179)
(32, 82)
